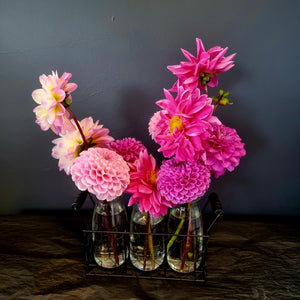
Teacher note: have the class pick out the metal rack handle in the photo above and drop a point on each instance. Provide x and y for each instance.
(216, 206)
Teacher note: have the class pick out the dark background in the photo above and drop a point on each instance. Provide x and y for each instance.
(118, 52)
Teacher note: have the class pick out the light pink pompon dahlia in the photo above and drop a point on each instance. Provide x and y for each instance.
(51, 112)
(200, 71)
(183, 182)
(143, 186)
(222, 150)
(102, 172)
(154, 130)
(183, 124)
(70, 144)
(129, 148)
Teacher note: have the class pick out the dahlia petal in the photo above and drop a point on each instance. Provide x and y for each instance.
(38, 95)
(191, 80)
(70, 87)
(200, 47)
(188, 55)
(144, 189)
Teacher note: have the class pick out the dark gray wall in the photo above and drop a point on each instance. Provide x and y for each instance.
(117, 52)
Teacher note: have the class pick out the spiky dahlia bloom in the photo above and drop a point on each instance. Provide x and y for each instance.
(70, 144)
(102, 172)
(222, 150)
(183, 182)
(183, 125)
(128, 148)
(143, 186)
(201, 71)
(51, 112)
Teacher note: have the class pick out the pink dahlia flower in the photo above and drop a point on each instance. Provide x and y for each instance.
(183, 182)
(201, 71)
(51, 112)
(143, 186)
(183, 125)
(70, 144)
(102, 172)
(222, 150)
(154, 130)
(128, 148)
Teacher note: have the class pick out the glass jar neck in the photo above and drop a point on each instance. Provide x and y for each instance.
(137, 213)
(109, 207)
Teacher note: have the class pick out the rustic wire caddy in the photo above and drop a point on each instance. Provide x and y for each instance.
(164, 272)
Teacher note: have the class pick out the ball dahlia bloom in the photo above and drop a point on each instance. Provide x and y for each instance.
(154, 130)
(182, 126)
(51, 112)
(182, 182)
(222, 150)
(69, 145)
(102, 172)
(129, 148)
(201, 71)
(143, 186)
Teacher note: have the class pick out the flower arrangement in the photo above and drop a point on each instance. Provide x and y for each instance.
(194, 142)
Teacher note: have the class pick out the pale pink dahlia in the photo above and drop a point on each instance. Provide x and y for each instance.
(154, 130)
(143, 186)
(128, 148)
(70, 144)
(102, 172)
(182, 182)
(51, 111)
(222, 150)
(201, 71)
(184, 123)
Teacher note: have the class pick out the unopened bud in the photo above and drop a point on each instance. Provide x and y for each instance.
(224, 101)
(68, 102)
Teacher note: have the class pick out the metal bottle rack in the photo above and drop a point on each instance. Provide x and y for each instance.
(164, 272)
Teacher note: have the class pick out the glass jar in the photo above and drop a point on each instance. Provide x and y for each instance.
(147, 251)
(185, 246)
(109, 248)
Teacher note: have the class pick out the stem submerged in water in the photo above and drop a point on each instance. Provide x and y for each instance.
(188, 239)
(148, 241)
(174, 237)
(111, 236)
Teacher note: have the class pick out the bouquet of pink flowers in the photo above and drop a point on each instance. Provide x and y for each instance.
(194, 142)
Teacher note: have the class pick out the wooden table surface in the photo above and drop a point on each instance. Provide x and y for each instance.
(42, 257)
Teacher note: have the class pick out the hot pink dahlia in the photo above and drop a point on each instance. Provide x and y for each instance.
(223, 150)
(51, 112)
(128, 148)
(102, 172)
(184, 123)
(201, 71)
(70, 144)
(182, 182)
(143, 186)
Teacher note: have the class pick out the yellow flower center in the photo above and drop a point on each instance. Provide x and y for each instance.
(175, 122)
(152, 177)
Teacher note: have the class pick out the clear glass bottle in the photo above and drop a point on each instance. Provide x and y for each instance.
(109, 248)
(184, 253)
(147, 252)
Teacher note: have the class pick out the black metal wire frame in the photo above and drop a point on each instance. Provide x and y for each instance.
(164, 272)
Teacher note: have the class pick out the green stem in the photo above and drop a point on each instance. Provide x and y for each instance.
(174, 237)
